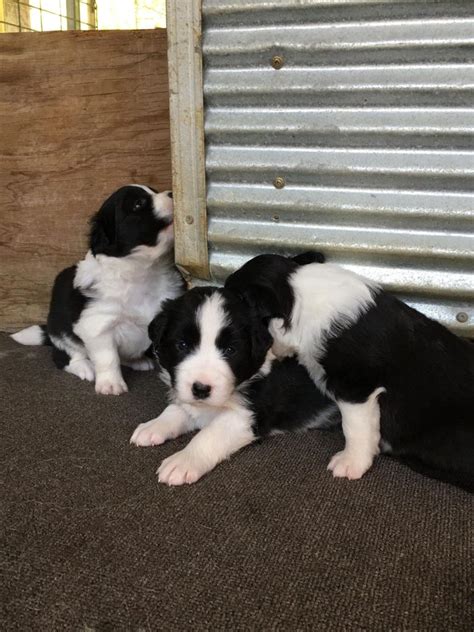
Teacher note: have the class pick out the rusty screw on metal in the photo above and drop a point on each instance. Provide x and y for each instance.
(277, 61)
(189, 219)
(462, 317)
(279, 182)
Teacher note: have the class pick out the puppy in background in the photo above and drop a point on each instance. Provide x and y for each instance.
(214, 355)
(101, 308)
(403, 383)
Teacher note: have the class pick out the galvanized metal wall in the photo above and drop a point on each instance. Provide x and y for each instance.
(365, 112)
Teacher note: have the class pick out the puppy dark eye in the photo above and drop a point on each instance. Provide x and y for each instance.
(229, 351)
(138, 204)
(182, 345)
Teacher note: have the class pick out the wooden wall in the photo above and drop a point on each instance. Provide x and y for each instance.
(81, 113)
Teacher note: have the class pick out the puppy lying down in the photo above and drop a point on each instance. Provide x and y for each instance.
(402, 382)
(214, 355)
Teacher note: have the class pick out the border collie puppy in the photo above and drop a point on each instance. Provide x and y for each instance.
(101, 308)
(213, 354)
(400, 380)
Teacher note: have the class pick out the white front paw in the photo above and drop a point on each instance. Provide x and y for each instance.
(349, 465)
(147, 434)
(107, 385)
(180, 468)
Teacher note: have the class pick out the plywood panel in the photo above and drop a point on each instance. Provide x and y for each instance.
(81, 113)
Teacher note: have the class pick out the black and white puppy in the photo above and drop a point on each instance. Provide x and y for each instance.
(101, 308)
(400, 380)
(213, 353)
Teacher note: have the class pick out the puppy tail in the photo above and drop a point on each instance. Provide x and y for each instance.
(309, 257)
(32, 336)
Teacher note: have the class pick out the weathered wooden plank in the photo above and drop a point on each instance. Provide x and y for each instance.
(187, 136)
(81, 113)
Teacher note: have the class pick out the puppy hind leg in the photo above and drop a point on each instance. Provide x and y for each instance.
(72, 358)
(82, 367)
(361, 427)
(105, 358)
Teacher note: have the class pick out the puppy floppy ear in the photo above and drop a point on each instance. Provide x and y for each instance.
(261, 340)
(155, 333)
(102, 236)
(157, 327)
(263, 301)
(264, 283)
(309, 257)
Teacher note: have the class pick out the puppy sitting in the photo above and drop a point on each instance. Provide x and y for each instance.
(401, 381)
(100, 308)
(213, 354)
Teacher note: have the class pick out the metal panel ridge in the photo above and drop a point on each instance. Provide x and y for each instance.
(347, 127)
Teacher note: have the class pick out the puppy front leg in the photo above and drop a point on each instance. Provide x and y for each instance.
(173, 422)
(105, 358)
(227, 433)
(361, 427)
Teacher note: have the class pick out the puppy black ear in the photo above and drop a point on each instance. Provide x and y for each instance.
(157, 326)
(264, 283)
(263, 301)
(309, 257)
(261, 341)
(102, 232)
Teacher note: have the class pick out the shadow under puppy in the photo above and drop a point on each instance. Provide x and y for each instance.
(214, 355)
(402, 381)
(100, 308)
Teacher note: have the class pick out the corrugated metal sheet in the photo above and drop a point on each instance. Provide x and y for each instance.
(370, 123)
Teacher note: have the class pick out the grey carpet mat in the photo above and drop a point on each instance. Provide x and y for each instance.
(267, 541)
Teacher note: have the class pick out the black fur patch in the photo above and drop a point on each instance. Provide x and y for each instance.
(287, 399)
(67, 303)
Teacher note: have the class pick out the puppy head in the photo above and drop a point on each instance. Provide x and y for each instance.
(209, 342)
(134, 220)
(263, 282)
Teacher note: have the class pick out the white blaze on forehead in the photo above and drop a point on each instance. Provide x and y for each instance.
(211, 318)
(206, 364)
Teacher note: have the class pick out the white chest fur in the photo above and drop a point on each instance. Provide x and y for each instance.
(124, 296)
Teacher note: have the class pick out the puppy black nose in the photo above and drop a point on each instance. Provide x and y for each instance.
(201, 391)
(170, 194)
